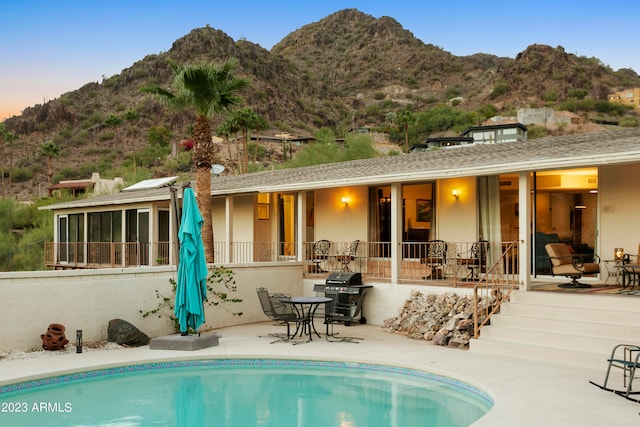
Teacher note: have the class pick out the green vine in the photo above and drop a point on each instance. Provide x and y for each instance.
(220, 283)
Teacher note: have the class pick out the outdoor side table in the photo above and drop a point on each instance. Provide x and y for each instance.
(613, 270)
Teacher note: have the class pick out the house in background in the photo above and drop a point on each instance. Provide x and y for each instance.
(94, 186)
(627, 97)
(497, 133)
(441, 142)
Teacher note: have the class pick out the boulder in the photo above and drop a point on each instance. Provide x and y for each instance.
(124, 333)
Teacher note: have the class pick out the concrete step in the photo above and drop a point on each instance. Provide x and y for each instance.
(578, 342)
(550, 354)
(569, 313)
(620, 302)
(577, 329)
(618, 331)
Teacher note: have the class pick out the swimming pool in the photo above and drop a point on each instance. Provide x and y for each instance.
(244, 393)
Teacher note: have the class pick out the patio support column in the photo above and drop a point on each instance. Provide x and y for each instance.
(123, 237)
(301, 225)
(396, 232)
(524, 233)
(228, 236)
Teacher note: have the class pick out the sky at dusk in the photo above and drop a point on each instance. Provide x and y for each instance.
(48, 48)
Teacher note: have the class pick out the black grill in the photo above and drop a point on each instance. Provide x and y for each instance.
(348, 287)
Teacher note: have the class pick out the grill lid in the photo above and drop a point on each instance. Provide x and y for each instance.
(344, 278)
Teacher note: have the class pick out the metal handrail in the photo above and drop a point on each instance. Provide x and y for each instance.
(495, 287)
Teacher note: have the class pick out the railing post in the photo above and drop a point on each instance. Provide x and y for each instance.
(476, 329)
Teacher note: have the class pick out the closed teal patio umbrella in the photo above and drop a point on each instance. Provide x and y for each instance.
(191, 287)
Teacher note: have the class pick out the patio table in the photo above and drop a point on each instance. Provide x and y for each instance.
(305, 308)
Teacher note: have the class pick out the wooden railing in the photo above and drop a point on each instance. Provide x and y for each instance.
(495, 287)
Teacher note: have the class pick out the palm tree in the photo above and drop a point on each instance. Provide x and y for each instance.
(403, 120)
(49, 150)
(210, 89)
(247, 120)
(226, 129)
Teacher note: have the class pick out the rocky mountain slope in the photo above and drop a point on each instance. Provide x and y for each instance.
(348, 68)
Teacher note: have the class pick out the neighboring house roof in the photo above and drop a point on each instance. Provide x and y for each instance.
(77, 184)
(559, 152)
(494, 127)
(142, 196)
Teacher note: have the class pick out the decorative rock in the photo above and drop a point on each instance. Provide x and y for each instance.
(124, 333)
(444, 319)
(54, 338)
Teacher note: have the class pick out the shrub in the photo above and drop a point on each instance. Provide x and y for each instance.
(535, 131)
(500, 88)
(21, 175)
(628, 122)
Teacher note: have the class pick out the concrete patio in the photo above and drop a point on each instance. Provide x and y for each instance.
(526, 393)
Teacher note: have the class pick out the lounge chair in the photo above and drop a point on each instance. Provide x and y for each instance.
(565, 262)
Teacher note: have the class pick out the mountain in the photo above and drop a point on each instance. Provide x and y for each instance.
(348, 68)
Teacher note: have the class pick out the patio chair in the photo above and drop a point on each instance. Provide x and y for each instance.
(281, 313)
(345, 313)
(320, 255)
(475, 260)
(625, 357)
(435, 258)
(630, 269)
(565, 262)
(345, 258)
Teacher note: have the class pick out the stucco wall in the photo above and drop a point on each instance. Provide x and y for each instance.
(619, 196)
(88, 299)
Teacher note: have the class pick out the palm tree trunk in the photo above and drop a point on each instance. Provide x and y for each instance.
(203, 197)
(202, 158)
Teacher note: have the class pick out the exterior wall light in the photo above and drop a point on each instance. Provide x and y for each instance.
(455, 193)
(345, 200)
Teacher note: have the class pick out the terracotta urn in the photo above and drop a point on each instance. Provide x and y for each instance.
(54, 338)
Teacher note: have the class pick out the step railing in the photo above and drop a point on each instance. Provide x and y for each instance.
(495, 286)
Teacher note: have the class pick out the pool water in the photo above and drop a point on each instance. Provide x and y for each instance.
(245, 393)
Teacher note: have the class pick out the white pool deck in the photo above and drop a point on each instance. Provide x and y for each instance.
(526, 393)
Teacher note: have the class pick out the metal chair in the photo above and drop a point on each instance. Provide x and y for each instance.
(281, 313)
(342, 313)
(320, 255)
(475, 260)
(435, 258)
(625, 357)
(347, 257)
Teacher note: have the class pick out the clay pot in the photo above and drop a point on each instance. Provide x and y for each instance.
(54, 339)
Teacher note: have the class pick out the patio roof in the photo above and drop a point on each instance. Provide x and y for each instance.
(558, 152)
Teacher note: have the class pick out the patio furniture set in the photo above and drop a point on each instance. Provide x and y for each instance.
(301, 312)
